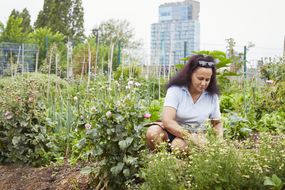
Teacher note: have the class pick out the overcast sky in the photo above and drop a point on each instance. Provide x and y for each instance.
(259, 21)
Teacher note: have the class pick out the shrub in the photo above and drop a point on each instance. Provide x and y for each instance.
(24, 137)
(114, 134)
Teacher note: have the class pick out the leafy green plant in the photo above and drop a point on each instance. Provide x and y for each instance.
(236, 127)
(274, 182)
(114, 134)
(272, 122)
(164, 171)
(24, 138)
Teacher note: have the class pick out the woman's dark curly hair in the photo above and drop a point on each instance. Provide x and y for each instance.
(183, 78)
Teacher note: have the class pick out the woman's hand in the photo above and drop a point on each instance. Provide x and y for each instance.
(218, 128)
(198, 139)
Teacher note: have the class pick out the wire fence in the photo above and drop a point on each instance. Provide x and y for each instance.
(15, 58)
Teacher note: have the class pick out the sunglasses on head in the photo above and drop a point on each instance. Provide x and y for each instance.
(206, 63)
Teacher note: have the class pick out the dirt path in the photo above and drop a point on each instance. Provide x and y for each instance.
(46, 178)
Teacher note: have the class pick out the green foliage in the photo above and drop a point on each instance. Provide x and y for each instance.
(155, 109)
(113, 31)
(226, 103)
(115, 133)
(45, 38)
(164, 171)
(236, 127)
(272, 122)
(271, 98)
(273, 70)
(26, 19)
(179, 67)
(13, 31)
(220, 165)
(125, 72)
(274, 182)
(24, 136)
(65, 17)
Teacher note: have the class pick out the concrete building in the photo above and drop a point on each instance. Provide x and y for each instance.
(176, 34)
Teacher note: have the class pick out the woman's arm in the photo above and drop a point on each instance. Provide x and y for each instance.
(171, 125)
(218, 128)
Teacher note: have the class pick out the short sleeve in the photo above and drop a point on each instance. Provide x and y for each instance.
(216, 113)
(171, 98)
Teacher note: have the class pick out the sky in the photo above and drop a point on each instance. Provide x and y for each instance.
(261, 22)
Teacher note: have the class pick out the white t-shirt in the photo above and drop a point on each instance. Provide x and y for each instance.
(192, 115)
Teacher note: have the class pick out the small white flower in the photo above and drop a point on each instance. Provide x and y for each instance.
(75, 98)
(93, 109)
(137, 84)
(8, 115)
(130, 83)
(269, 81)
(108, 114)
(87, 126)
(128, 87)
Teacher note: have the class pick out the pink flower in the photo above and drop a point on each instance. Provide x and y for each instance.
(147, 115)
(87, 126)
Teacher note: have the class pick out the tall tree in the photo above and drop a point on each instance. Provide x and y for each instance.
(2, 27)
(64, 16)
(114, 31)
(26, 23)
(77, 21)
(117, 34)
(13, 30)
(26, 19)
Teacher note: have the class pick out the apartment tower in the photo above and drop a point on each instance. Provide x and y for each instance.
(176, 34)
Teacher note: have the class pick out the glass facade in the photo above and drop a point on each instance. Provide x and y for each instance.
(176, 34)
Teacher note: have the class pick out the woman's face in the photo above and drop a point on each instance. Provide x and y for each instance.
(200, 79)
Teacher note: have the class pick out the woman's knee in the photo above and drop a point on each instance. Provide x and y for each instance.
(155, 132)
(179, 144)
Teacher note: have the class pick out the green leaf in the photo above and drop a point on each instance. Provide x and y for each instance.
(124, 144)
(126, 172)
(117, 169)
(16, 140)
(98, 151)
(130, 160)
(277, 181)
(268, 182)
(81, 143)
(86, 170)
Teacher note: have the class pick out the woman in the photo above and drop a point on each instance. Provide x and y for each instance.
(191, 100)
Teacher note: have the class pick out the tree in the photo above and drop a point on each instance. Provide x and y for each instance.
(26, 22)
(13, 30)
(115, 33)
(44, 38)
(233, 55)
(77, 21)
(64, 16)
(2, 28)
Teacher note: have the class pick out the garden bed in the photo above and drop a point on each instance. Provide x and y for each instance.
(13, 177)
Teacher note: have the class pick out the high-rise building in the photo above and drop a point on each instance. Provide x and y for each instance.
(176, 34)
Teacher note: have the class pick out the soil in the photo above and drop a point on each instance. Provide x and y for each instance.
(13, 177)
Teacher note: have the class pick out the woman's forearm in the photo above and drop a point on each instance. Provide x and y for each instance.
(174, 128)
(219, 130)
